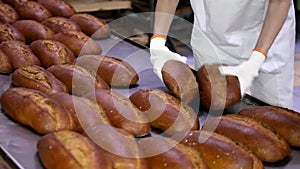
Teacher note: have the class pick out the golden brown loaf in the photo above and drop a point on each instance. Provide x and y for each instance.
(70, 150)
(19, 54)
(35, 109)
(36, 77)
(121, 112)
(60, 24)
(84, 112)
(180, 80)
(51, 52)
(5, 65)
(32, 10)
(9, 32)
(262, 141)
(8, 14)
(165, 153)
(164, 111)
(119, 145)
(217, 91)
(33, 30)
(219, 151)
(78, 80)
(14, 3)
(58, 7)
(79, 43)
(112, 70)
(92, 26)
(286, 122)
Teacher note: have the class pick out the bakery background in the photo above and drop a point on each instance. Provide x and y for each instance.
(114, 9)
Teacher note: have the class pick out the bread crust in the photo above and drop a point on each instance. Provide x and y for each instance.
(8, 14)
(32, 10)
(60, 24)
(165, 153)
(51, 52)
(84, 112)
(35, 109)
(58, 7)
(78, 80)
(112, 70)
(121, 112)
(219, 151)
(79, 43)
(164, 111)
(180, 80)
(286, 122)
(36, 77)
(217, 92)
(67, 149)
(265, 144)
(9, 32)
(33, 30)
(92, 26)
(5, 65)
(19, 54)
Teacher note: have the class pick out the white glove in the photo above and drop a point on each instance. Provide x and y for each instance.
(245, 71)
(160, 54)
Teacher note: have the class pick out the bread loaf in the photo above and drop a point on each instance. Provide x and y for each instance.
(262, 141)
(14, 3)
(8, 14)
(165, 153)
(164, 111)
(5, 65)
(219, 151)
(79, 43)
(114, 71)
(36, 77)
(33, 30)
(19, 54)
(217, 92)
(78, 80)
(51, 52)
(32, 10)
(9, 32)
(58, 7)
(286, 122)
(119, 145)
(84, 112)
(121, 112)
(60, 24)
(180, 80)
(67, 149)
(35, 109)
(92, 26)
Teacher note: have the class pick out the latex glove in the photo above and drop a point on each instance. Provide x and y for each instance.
(160, 54)
(246, 71)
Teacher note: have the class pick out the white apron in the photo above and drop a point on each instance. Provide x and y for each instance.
(226, 31)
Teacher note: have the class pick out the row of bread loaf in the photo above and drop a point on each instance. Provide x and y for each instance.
(46, 32)
(266, 143)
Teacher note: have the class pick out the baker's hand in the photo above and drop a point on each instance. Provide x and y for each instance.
(246, 71)
(160, 54)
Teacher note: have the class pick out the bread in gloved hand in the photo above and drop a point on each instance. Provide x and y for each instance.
(180, 80)
(217, 91)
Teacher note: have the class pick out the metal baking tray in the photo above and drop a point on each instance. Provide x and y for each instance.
(18, 143)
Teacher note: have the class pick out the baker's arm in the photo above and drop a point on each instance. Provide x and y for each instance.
(164, 13)
(276, 14)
